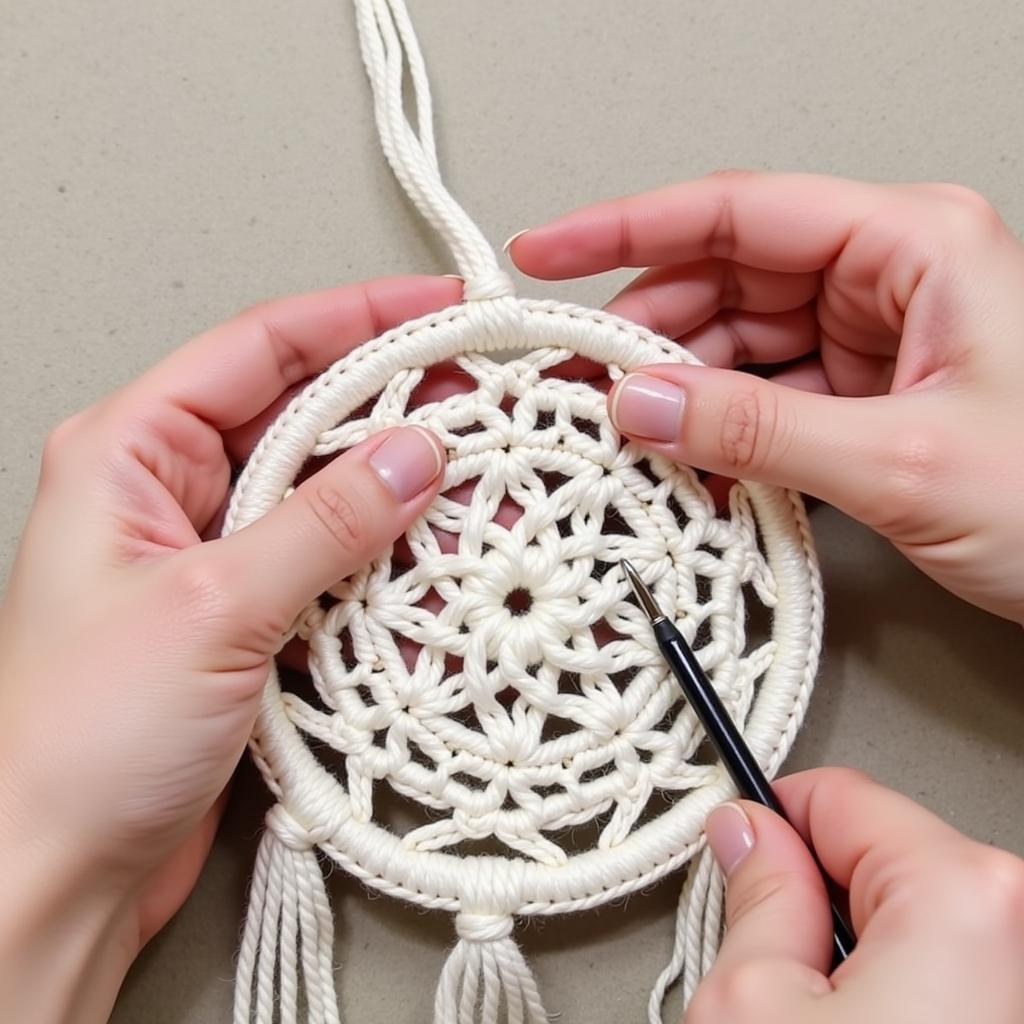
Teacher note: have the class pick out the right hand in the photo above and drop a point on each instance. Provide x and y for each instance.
(905, 304)
(939, 917)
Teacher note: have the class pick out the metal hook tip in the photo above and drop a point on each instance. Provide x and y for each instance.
(643, 595)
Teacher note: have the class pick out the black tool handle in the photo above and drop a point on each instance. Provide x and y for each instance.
(735, 754)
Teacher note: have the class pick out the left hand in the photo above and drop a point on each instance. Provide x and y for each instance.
(133, 654)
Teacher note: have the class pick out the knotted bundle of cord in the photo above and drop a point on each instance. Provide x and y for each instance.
(491, 676)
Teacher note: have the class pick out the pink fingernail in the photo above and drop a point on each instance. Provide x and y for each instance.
(648, 407)
(730, 836)
(407, 462)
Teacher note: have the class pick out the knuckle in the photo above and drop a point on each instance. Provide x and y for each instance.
(747, 983)
(706, 1006)
(345, 523)
(721, 241)
(285, 351)
(204, 589)
(915, 467)
(968, 212)
(624, 235)
(763, 890)
(995, 904)
(752, 431)
(256, 311)
(967, 198)
(737, 993)
(844, 778)
(60, 441)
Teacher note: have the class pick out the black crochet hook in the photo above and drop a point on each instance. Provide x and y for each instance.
(739, 762)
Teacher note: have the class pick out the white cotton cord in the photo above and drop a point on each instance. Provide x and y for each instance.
(270, 934)
(485, 972)
(289, 924)
(703, 924)
(288, 954)
(697, 933)
(317, 930)
(420, 84)
(388, 42)
(248, 952)
(713, 926)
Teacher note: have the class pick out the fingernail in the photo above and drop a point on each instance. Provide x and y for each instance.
(648, 407)
(730, 836)
(455, 277)
(407, 461)
(512, 238)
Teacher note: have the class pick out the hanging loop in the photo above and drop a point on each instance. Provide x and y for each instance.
(389, 46)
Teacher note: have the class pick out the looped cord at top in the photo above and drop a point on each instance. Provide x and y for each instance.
(483, 927)
(388, 43)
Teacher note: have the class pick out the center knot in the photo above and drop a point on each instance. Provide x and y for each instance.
(483, 927)
(495, 284)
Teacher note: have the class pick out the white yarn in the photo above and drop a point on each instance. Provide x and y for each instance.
(388, 42)
(537, 705)
(485, 967)
(289, 921)
(697, 933)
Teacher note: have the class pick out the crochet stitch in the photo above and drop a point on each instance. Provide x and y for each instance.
(496, 675)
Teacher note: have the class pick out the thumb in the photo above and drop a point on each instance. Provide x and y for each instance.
(772, 962)
(776, 904)
(739, 425)
(334, 523)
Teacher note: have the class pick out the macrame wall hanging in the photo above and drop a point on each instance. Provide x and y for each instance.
(552, 759)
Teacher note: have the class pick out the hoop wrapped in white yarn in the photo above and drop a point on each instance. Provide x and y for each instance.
(494, 674)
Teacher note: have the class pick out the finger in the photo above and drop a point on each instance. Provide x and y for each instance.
(776, 902)
(806, 375)
(843, 450)
(334, 522)
(789, 222)
(859, 371)
(674, 300)
(240, 441)
(232, 373)
(868, 838)
(737, 338)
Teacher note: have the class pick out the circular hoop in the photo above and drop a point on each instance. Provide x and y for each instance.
(311, 809)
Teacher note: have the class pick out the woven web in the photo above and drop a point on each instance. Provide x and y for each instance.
(493, 670)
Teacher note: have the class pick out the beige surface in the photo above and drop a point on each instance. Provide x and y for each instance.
(163, 164)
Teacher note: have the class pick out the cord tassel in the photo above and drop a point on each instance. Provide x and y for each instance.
(288, 925)
(485, 969)
(698, 932)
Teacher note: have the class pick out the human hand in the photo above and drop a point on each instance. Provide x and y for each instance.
(132, 655)
(939, 917)
(904, 305)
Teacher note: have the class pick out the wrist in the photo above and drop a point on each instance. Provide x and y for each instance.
(66, 939)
